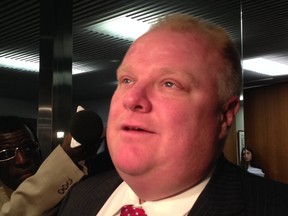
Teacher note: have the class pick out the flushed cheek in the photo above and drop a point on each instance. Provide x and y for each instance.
(132, 157)
(197, 124)
(125, 151)
(191, 143)
(132, 153)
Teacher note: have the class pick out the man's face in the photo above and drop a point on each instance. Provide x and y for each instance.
(165, 118)
(23, 165)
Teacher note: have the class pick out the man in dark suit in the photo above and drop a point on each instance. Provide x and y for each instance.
(177, 96)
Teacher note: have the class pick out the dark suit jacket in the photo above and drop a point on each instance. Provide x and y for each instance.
(230, 191)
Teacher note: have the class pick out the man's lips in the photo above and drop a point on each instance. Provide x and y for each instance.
(135, 128)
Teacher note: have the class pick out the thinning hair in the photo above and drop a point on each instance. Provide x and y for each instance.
(230, 78)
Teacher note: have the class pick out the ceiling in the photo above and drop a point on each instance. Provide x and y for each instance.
(264, 33)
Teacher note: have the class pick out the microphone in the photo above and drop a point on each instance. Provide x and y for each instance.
(86, 127)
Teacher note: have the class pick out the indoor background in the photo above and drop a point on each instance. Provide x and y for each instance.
(55, 55)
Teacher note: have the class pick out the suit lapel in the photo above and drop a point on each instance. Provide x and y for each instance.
(223, 193)
(103, 189)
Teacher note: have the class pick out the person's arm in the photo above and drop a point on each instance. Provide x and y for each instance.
(42, 191)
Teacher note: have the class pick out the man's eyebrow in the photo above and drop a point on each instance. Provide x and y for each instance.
(6, 146)
(184, 73)
(14, 144)
(122, 69)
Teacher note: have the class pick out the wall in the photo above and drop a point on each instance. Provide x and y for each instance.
(231, 150)
(19, 108)
(29, 110)
(266, 128)
(240, 119)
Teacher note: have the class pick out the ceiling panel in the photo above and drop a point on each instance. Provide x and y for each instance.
(264, 33)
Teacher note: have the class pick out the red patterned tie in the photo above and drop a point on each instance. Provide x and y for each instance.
(130, 210)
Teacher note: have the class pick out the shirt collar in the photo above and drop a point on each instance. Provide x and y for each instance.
(177, 205)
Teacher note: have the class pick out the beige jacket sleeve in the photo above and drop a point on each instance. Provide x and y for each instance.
(45, 189)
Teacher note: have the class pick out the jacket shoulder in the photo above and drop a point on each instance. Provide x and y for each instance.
(88, 196)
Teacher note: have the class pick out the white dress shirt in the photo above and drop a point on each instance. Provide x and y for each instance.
(178, 205)
(255, 171)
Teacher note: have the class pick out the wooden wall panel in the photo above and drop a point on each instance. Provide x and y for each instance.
(230, 151)
(266, 128)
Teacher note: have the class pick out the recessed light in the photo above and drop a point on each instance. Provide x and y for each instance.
(265, 66)
(122, 27)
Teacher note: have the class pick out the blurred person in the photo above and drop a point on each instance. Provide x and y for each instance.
(177, 96)
(248, 162)
(20, 158)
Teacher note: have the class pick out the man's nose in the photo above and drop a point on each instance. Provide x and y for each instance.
(137, 99)
(21, 159)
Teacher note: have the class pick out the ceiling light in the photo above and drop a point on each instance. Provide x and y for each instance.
(17, 64)
(60, 134)
(264, 66)
(241, 97)
(32, 66)
(122, 27)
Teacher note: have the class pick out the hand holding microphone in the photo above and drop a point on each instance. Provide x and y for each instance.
(86, 128)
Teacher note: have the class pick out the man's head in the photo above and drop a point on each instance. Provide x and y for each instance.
(177, 95)
(19, 151)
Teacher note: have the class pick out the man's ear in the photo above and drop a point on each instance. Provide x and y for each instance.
(229, 111)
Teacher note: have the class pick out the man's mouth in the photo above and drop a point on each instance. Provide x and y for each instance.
(131, 128)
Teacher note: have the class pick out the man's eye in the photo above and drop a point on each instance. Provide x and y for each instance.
(126, 80)
(169, 84)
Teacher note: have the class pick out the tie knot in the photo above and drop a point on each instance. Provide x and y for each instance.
(130, 210)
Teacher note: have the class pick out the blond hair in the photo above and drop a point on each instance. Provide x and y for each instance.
(230, 79)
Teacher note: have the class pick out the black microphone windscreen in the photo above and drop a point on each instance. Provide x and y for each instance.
(86, 127)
